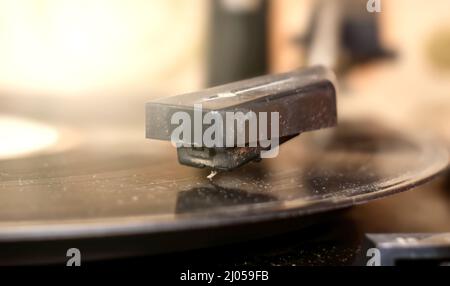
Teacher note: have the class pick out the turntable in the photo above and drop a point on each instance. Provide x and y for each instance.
(96, 174)
(115, 194)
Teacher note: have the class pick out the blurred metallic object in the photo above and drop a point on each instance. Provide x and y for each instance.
(238, 40)
(411, 249)
(323, 39)
(343, 34)
(304, 99)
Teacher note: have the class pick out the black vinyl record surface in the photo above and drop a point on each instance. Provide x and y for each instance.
(129, 196)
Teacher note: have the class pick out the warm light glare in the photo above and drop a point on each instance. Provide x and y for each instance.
(22, 137)
(73, 46)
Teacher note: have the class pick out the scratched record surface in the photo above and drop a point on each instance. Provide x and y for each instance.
(117, 194)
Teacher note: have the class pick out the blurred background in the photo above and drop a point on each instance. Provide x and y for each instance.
(88, 63)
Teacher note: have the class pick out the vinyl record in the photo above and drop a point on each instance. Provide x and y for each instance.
(117, 194)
